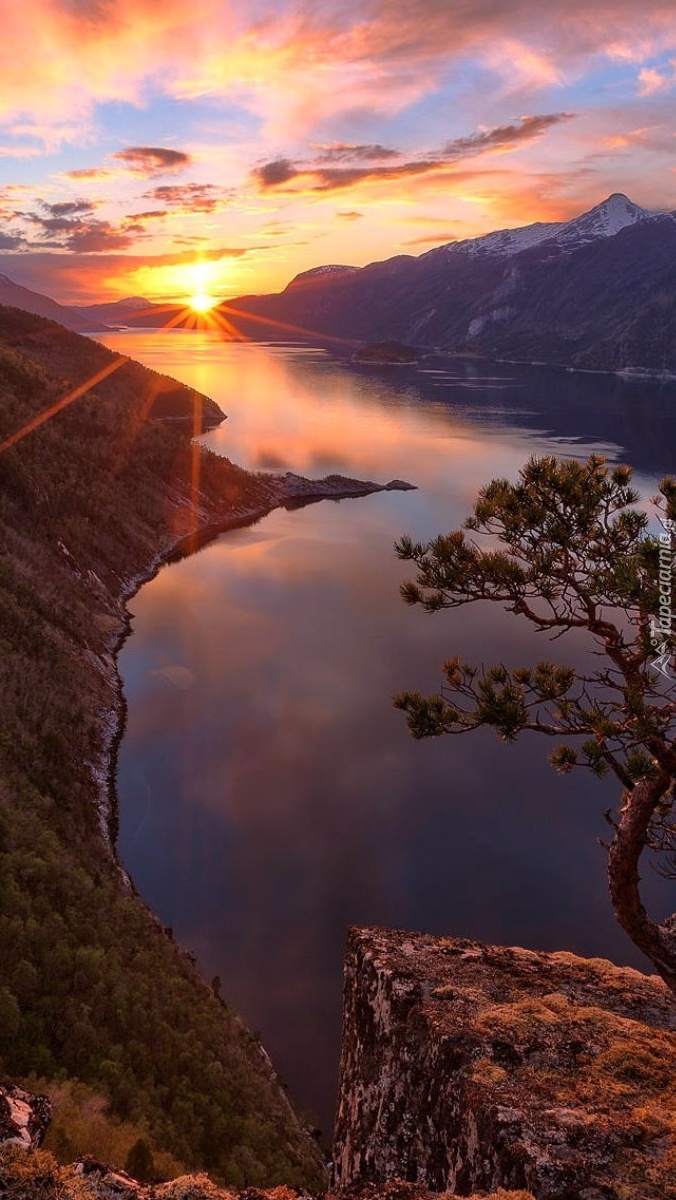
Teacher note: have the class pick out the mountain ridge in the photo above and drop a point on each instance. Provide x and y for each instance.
(596, 292)
(14, 295)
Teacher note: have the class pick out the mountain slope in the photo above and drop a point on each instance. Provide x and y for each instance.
(595, 292)
(12, 295)
(92, 985)
(132, 310)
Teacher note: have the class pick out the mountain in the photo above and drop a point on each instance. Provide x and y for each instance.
(12, 295)
(596, 292)
(88, 318)
(308, 278)
(133, 310)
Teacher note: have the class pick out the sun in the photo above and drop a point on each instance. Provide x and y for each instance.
(200, 280)
(201, 302)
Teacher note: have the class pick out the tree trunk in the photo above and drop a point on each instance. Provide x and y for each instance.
(624, 879)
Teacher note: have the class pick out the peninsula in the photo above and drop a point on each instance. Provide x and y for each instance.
(101, 482)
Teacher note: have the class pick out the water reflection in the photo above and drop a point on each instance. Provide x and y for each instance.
(270, 795)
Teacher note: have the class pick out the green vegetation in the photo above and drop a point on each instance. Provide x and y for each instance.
(81, 1123)
(570, 551)
(619, 1077)
(93, 988)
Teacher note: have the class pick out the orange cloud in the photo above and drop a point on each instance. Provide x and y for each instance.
(300, 62)
(316, 176)
(153, 160)
(440, 238)
(93, 173)
(189, 197)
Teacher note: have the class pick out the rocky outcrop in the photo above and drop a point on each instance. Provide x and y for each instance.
(38, 1176)
(468, 1067)
(29, 1173)
(23, 1117)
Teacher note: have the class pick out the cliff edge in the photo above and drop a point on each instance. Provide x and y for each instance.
(468, 1067)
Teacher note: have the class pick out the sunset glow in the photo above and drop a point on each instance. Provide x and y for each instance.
(202, 303)
(140, 145)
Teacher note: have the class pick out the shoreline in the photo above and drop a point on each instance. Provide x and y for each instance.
(286, 491)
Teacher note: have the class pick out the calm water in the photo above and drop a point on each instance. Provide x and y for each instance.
(270, 795)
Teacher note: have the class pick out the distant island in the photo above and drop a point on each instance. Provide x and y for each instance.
(387, 354)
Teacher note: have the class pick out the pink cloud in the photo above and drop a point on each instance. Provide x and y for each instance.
(299, 63)
(651, 80)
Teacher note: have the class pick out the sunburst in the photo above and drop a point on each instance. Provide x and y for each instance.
(201, 302)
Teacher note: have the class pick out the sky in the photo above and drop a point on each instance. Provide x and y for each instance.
(166, 149)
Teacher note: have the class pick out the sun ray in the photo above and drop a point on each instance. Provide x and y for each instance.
(288, 328)
(57, 407)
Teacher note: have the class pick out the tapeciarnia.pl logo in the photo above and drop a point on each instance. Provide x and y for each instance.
(662, 626)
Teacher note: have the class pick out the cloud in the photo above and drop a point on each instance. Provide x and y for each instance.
(188, 197)
(20, 151)
(312, 176)
(69, 208)
(274, 173)
(153, 160)
(350, 152)
(70, 226)
(651, 80)
(503, 137)
(97, 237)
(349, 214)
(10, 241)
(93, 173)
(297, 63)
(154, 214)
(81, 278)
(432, 239)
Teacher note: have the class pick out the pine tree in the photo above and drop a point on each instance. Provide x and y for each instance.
(569, 550)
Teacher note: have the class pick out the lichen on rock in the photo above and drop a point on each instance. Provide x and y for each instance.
(469, 1068)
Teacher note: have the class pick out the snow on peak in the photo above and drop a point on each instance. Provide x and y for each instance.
(319, 272)
(604, 220)
(132, 302)
(507, 241)
(607, 218)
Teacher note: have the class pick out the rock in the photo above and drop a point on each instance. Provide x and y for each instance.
(387, 354)
(87, 1164)
(23, 1117)
(291, 488)
(471, 1068)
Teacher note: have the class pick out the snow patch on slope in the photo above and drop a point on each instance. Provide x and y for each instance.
(604, 220)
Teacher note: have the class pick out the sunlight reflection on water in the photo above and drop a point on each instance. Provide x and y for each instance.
(269, 793)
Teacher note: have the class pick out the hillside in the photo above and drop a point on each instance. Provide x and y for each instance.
(597, 292)
(93, 988)
(13, 295)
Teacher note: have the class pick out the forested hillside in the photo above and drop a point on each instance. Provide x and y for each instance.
(92, 986)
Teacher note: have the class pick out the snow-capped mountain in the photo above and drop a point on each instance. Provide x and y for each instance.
(598, 291)
(117, 312)
(318, 273)
(604, 220)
